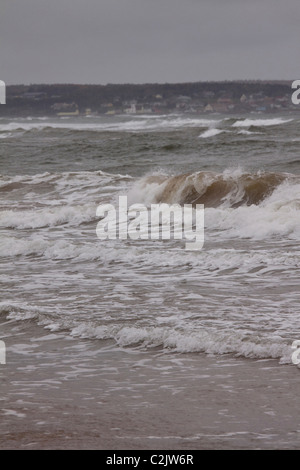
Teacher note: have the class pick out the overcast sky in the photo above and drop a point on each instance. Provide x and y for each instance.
(138, 41)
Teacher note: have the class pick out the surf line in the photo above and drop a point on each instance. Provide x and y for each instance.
(159, 222)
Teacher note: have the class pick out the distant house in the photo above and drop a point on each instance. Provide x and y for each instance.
(34, 95)
(64, 106)
(66, 109)
(71, 113)
(131, 110)
(208, 108)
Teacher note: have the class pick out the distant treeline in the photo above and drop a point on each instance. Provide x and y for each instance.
(40, 99)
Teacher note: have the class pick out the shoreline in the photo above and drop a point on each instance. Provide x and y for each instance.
(131, 400)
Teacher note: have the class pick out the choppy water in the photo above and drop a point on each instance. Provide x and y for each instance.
(238, 295)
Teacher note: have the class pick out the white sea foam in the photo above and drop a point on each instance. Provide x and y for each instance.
(211, 261)
(276, 216)
(18, 311)
(261, 122)
(50, 217)
(211, 133)
(195, 340)
(124, 124)
(98, 177)
(5, 135)
(190, 341)
(246, 132)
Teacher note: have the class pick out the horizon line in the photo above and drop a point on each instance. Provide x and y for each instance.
(244, 80)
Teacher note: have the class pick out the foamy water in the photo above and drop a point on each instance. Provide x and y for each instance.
(131, 325)
(238, 295)
(212, 301)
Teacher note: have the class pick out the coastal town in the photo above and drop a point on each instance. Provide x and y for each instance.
(191, 98)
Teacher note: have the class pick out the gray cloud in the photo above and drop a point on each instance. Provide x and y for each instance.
(116, 41)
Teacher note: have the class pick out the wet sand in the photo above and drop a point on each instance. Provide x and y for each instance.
(59, 393)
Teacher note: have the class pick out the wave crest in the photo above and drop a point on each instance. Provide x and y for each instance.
(230, 189)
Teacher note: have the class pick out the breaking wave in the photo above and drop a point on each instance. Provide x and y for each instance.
(211, 133)
(177, 340)
(228, 189)
(260, 122)
(140, 123)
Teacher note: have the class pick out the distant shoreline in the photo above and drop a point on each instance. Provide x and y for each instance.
(227, 97)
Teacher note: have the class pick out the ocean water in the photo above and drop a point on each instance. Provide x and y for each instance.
(74, 303)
